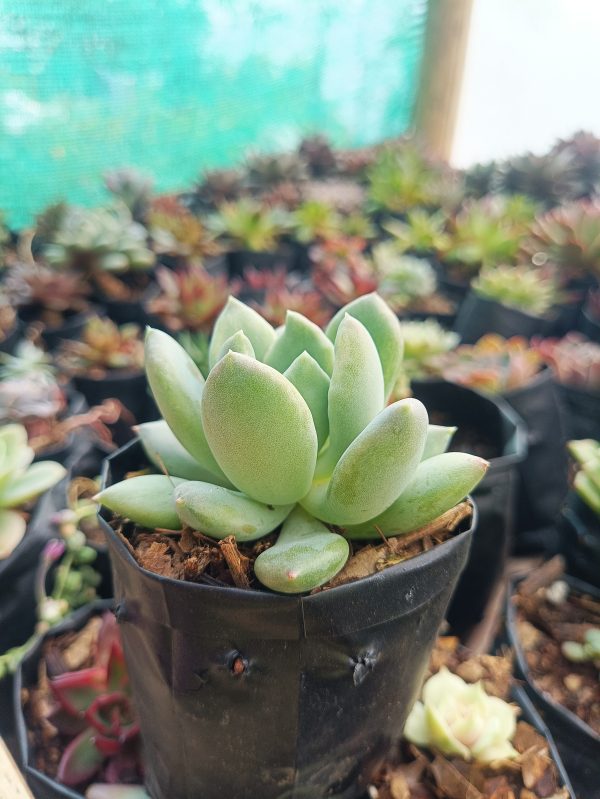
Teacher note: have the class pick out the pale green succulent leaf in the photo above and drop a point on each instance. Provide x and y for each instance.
(306, 555)
(384, 327)
(238, 316)
(102, 791)
(300, 335)
(439, 483)
(28, 485)
(219, 512)
(238, 342)
(146, 500)
(312, 382)
(356, 389)
(375, 468)
(437, 441)
(260, 430)
(166, 453)
(15, 453)
(177, 385)
(12, 530)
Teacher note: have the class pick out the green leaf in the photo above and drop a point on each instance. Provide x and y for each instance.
(177, 385)
(355, 391)
(12, 530)
(239, 342)
(102, 791)
(80, 759)
(439, 484)
(307, 554)
(260, 430)
(147, 500)
(300, 335)
(237, 316)
(384, 327)
(15, 454)
(219, 512)
(437, 441)
(312, 382)
(165, 452)
(375, 468)
(38, 478)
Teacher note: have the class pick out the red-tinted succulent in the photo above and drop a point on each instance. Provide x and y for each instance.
(190, 298)
(341, 271)
(281, 292)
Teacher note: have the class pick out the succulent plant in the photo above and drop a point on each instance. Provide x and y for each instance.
(341, 271)
(550, 178)
(133, 188)
(53, 291)
(28, 359)
(248, 225)
(21, 481)
(189, 298)
(318, 154)
(176, 231)
(195, 343)
(346, 196)
(480, 179)
(568, 238)
(574, 359)
(401, 179)
(587, 480)
(494, 364)
(584, 149)
(588, 651)
(314, 220)
(281, 292)
(402, 278)
(94, 704)
(103, 347)
(99, 239)
(49, 221)
(216, 187)
(263, 171)
(422, 233)
(355, 163)
(423, 342)
(525, 288)
(458, 718)
(292, 427)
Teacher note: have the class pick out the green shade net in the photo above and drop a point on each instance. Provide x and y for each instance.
(176, 86)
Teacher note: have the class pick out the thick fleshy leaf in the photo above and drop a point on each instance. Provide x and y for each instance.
(312, 382)
(177, 385)
(375, 468)
(12, 530)
(237, 316)
(385, 329)
(300, 335)
(438, 484)
(76, 690)
(15, 454)
(355, 392)
(164, 450)
(80, 760)
(147, 500)
(219, 512)
(307, 554)
(38, 478)
(101, 791)
(239, 342)
(260, 430)
(437, 441)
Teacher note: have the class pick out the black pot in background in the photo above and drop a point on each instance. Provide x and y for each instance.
(582, 412)
(479, 315)
(577, 743)
(27, 676)
(326, 681)
(53, 336)
(455, 290)
(543, 474)
(12, 338)
(491, 420)
(579, 529)
(130, 388)
(239, 260)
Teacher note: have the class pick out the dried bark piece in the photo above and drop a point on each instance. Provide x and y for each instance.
(239, 565)
(453, 784)
(545, 575)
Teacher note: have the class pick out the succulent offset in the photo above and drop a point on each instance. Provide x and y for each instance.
(292, 427)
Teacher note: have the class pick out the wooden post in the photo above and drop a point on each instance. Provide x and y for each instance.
(446, 38)
(12, 782)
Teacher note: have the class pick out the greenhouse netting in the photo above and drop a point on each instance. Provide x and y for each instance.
(179, 85)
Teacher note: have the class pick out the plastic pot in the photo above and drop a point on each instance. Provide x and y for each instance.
(455, 290)
(27, 676)
(71, 328)
(479, 315)
(130, 388)
(577, 743)
(239, 260)
(543, 474)
(325, 684)
(579, 532)
(492, 420)
(582, 412)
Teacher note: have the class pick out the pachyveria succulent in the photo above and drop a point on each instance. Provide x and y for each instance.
(20, 483)
(292, 427)
(456, 718)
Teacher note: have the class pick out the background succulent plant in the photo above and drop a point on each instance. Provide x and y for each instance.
(104, 346)
(423, 342)
(422, 233)
(402, 278)
(133, 188)
(341, 271)
(401, 178)
(574, 359)
(318, 154)
(189, 298)
(292, 427)
(176, 231)
(53, 291)
(314, 220)
(527, 289)
(281, 291)
(586, 482)
(248, 225)
(263, 171)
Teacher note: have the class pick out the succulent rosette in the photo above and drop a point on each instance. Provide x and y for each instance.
(292, 428)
